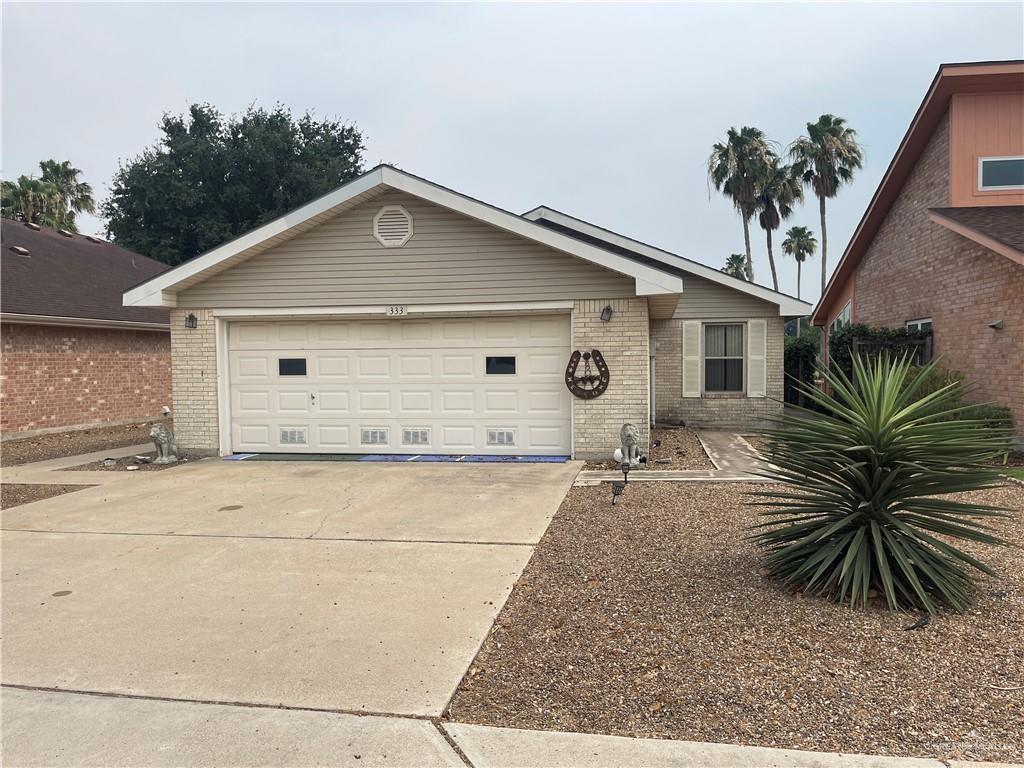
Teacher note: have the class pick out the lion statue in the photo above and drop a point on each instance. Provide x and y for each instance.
(629, 436)
(166, 448)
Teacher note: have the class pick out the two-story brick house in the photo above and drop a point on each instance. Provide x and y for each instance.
(941, 245)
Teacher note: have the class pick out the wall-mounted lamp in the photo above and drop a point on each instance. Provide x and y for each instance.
(606, 313)
(191, 321)
(996, 325)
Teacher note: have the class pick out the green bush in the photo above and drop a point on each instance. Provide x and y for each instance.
(862, 507)
(800, 361)
(894, 341)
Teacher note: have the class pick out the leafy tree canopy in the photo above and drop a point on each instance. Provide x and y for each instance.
(211, 178)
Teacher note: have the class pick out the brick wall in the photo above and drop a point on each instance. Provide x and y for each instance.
(916, 268)
(59, 376)
(624, 343)
(194, 372)
(732, 411)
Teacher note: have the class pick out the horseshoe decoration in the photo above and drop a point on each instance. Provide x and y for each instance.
(588, 384)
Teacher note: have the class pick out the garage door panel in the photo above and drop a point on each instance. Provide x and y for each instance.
(407, 386)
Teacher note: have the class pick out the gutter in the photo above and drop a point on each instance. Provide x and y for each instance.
(82, 322)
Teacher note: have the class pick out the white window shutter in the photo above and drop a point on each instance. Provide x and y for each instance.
(757, 365)
(691, 358)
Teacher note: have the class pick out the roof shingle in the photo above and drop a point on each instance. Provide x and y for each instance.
(71, 277)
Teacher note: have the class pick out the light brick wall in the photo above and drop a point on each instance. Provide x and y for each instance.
(716, 410)
(59, 376)
(915, 268)
(194, 374)
(624, 343)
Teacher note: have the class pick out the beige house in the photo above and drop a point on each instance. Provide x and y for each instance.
(396, 316)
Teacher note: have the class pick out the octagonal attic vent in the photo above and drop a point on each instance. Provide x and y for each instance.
(392, 226)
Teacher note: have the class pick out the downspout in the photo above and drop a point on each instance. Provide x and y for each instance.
(652, 368)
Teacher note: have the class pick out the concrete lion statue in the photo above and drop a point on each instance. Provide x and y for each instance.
(166, 448)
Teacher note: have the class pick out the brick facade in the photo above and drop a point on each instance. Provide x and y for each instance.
(194, 373)
(916, 268)
(723, 411)
(61, 376)
(624, 343)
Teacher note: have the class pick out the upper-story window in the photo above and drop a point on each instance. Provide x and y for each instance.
(843, 318)
(1000, 173)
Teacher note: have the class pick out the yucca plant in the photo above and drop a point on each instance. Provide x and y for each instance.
(863, 505)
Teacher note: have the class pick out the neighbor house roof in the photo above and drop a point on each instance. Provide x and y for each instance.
(789, 306)
(650, 279)
(970, 77)
(999, 228)
(57, 279)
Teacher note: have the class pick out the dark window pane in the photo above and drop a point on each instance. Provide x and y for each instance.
(500, 366)
(723, 375)
(291, 366)
(723, 341)
(1002, 173)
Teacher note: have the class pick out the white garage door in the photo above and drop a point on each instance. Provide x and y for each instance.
(480, 385)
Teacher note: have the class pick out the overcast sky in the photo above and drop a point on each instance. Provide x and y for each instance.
(607, 112)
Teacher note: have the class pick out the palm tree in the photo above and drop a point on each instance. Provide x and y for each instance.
(799, 243)
(75, 196)
(733, 170)
(778, 189)
(32, 200)
(736, 266)
(825, 159)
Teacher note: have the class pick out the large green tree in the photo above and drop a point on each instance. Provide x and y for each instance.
(826, 158)
(211, 178)
(778, 189)
(799, 243)
(736, 266)
(73, 196)
(734, 168)
(52, 200)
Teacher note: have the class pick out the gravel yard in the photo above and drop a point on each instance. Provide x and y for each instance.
(28, 449)
(653, 619)
(671, 448)
(15, 494)
(122, 464)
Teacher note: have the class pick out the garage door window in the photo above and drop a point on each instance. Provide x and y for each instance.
(501, 437)
(415, 436)
(500, 366)
(373, 436)
(291, 366)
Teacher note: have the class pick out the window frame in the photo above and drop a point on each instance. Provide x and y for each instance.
(847, 310)
(305, 367)
(915, 325)
(515, 364)
(742, 357)
(1000, 188)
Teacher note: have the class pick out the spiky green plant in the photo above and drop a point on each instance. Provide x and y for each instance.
(863, 505)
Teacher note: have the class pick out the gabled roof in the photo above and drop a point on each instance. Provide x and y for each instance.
(968, 77)
(161, 291)
(51, 278)
(999, 228)
(627, 246)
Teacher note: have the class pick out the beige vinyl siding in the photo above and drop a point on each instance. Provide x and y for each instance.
(450, 259)
(704, 299)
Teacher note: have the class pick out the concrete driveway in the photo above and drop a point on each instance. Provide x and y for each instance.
(342, 586)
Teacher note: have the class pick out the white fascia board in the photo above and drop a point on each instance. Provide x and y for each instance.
(788, 306)
(649, 280)
(151, 293)
(410, 310)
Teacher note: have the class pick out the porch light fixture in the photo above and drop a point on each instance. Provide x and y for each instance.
(191, 321)
(606, 313)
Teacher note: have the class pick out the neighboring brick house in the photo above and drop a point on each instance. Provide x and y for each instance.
(397, 316)
(941, 245)
(73, 356)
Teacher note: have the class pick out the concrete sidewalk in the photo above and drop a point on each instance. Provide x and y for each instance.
(46, 728)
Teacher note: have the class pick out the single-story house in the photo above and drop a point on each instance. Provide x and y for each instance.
(72, 354)
(941, 244)
(394, 315)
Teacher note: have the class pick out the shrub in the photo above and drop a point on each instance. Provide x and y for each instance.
(862, 508)
(895, 342)
(800, 362)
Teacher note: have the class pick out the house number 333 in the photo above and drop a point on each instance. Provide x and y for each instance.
(397, 310)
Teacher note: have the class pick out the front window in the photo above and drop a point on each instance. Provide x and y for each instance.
(723, 358)
(923, 352)
(1000, 173)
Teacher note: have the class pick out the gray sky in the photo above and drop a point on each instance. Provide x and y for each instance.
(607, 112)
